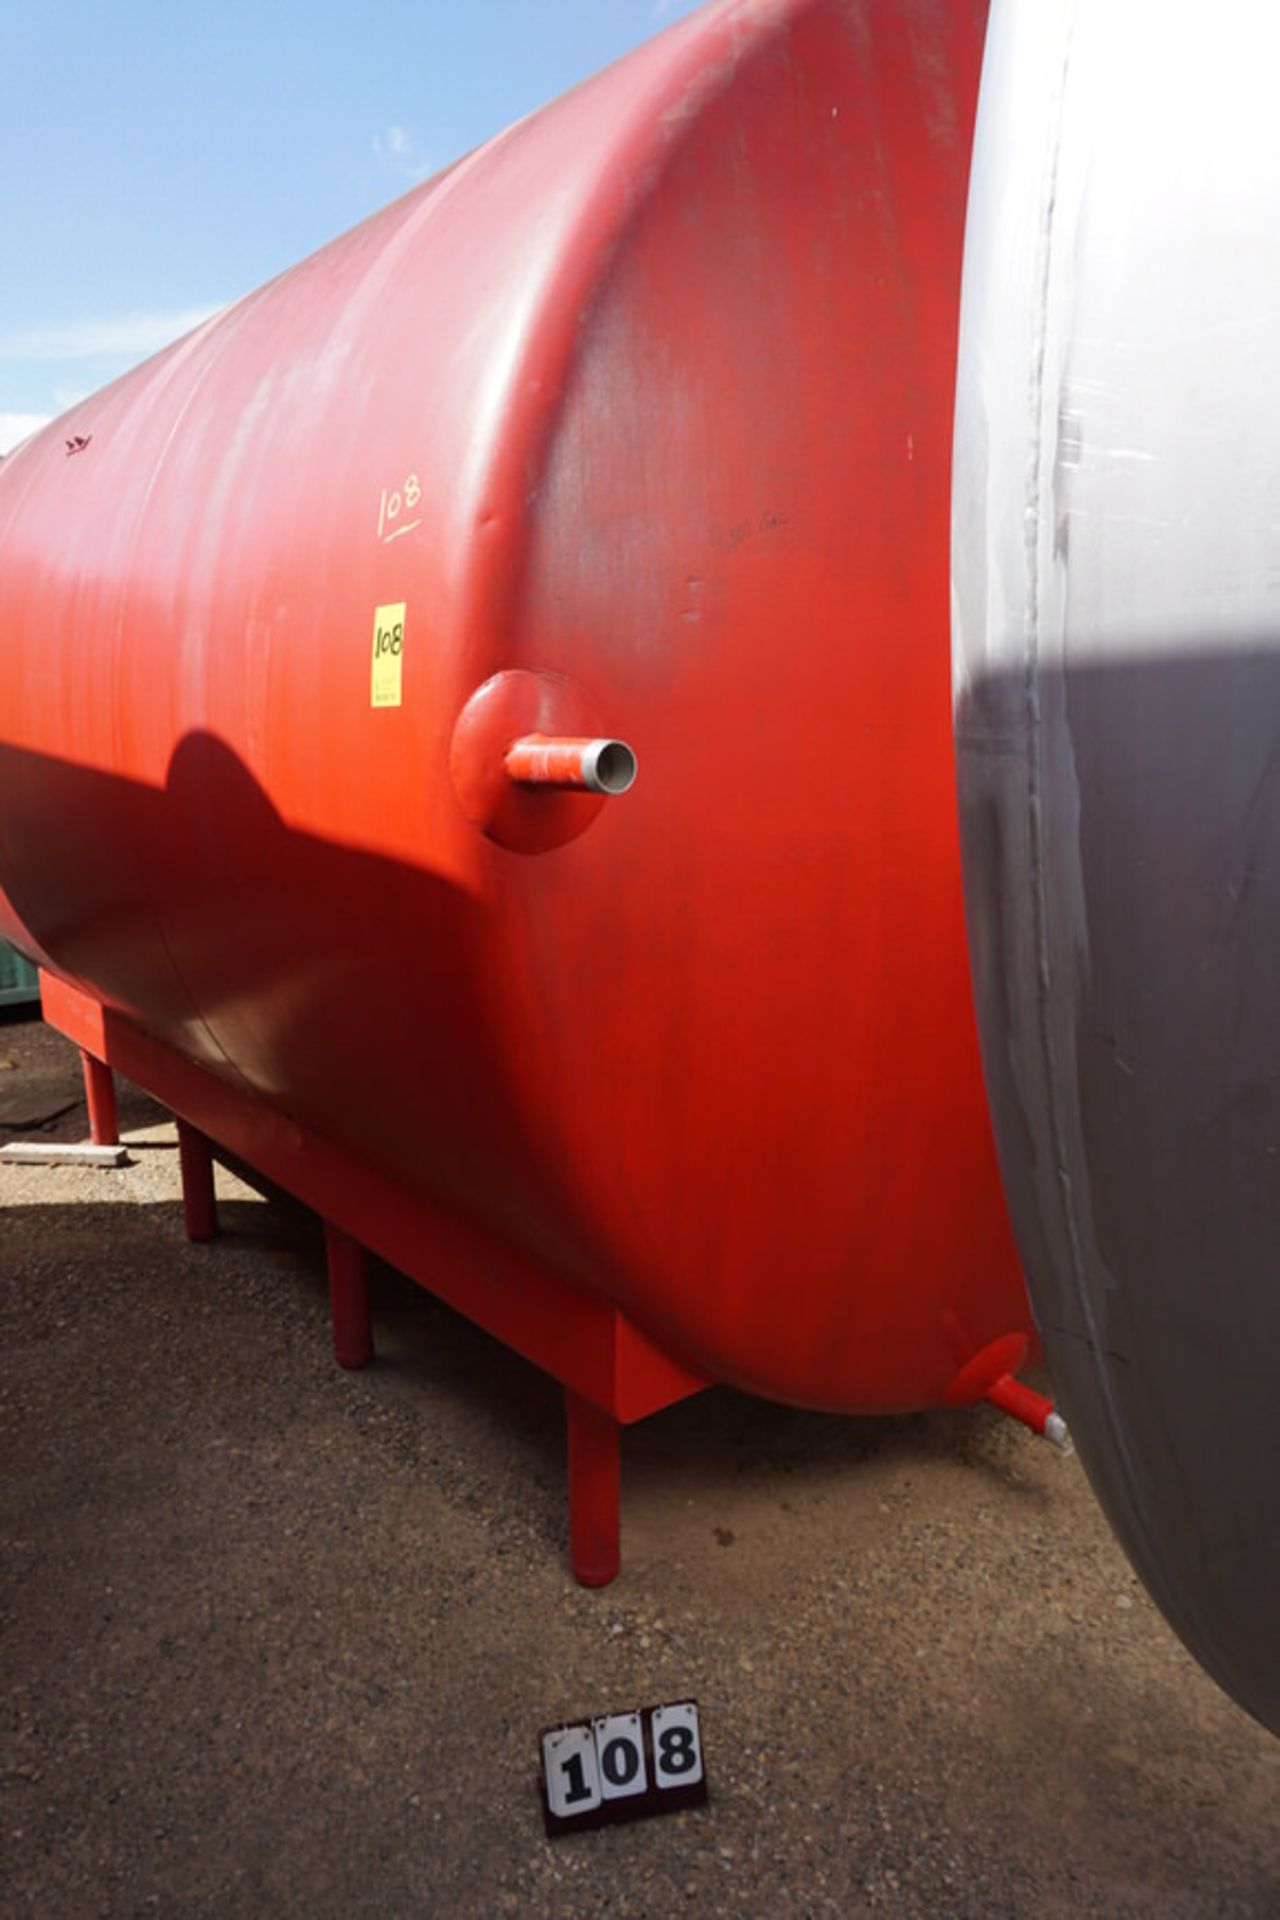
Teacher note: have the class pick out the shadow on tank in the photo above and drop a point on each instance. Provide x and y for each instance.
(346, 989)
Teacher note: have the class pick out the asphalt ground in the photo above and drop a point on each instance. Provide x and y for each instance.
(279, 1640)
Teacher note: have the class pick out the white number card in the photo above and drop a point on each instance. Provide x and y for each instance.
(677, 1749)
(622, 1766)
(571, 1772)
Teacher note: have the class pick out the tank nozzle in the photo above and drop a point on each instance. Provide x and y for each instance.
(592, 766)
(1031, 1408)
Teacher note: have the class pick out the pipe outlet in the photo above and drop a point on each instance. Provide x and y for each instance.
(591, 766)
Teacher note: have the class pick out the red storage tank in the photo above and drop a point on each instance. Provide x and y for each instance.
(631, 427)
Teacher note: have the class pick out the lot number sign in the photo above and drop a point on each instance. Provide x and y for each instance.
(622, 1766)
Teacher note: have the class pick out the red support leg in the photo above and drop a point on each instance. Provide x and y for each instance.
(595, 1478)
(199, 1208)
(100, 1095)
(349, 1299)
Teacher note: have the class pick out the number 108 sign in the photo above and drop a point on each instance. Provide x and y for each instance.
(622, 1766)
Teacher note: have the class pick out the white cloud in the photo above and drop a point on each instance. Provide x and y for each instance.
(123, 337)
(15, 427)
(398, 152)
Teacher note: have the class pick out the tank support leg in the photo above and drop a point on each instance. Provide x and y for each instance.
(100, 1096)
(595, 1479)
(195, 1161)
(349, 1298)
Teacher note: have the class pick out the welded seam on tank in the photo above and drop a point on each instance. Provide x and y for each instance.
(430, 198)
(584, 285)
(750, 30)
(223, 326)
(1037, 470)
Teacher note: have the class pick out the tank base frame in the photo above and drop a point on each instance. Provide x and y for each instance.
(612, 1373)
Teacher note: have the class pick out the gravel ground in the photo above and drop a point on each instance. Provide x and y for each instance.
(278, 1640)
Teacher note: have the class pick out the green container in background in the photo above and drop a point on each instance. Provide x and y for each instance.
(19, 985)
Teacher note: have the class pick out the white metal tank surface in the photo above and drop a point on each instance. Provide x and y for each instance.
(1116, 596)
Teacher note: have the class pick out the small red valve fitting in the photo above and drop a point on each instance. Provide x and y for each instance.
(1033, 1409)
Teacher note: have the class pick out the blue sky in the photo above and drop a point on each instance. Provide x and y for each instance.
(158, 160)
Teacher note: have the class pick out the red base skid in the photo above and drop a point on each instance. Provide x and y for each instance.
(612, 1373)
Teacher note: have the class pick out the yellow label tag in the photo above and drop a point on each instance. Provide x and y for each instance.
(388, 655)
